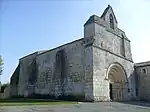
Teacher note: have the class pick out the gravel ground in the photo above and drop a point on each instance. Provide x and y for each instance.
(81, 107)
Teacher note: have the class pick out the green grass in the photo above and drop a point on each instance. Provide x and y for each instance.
(30, 102)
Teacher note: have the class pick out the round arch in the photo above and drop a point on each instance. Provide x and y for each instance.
(114, 68)
(118, 82)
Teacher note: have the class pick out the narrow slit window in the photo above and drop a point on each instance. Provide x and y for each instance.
(122, 46)
(111, 21)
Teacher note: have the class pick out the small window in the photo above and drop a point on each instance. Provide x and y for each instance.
(143, 70)
(128, 90)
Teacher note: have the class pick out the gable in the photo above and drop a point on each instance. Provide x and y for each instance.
(107, 12)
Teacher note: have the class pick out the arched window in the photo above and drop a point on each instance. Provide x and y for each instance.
(111, 20)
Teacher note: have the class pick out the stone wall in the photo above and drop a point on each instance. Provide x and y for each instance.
(26, 74)
(88, 79)
(142, 72)
(14, 80)
(65, 70)
(101, 62)
(60, 71)
(107, 49)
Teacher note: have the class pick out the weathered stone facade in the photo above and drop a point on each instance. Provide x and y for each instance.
(142, 73)
(98, 67)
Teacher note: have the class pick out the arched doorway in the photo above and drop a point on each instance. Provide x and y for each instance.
(117, 82)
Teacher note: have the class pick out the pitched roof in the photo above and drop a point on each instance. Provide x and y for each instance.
(147, 63)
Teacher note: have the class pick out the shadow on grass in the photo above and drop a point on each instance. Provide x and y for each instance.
(30, 102)
(25, 100)
(46, 98)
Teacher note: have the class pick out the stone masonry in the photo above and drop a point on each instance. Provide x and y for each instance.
(98, 67)
(142, 72)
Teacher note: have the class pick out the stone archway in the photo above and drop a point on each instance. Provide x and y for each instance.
(117, 82)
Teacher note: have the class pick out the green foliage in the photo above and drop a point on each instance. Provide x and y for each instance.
(1, 65)
(3, 86)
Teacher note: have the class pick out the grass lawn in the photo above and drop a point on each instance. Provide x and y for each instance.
(30, 102)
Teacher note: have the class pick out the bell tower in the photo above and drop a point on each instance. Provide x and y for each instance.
(107, 19)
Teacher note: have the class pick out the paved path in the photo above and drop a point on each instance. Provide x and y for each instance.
(82, 107)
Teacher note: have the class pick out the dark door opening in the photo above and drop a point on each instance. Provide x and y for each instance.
(110, 91)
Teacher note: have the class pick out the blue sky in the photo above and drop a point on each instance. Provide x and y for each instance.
(28, 26)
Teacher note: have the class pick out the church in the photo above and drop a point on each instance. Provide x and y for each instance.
(97, 67)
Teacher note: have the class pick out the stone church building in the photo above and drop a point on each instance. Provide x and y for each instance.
(98, 67)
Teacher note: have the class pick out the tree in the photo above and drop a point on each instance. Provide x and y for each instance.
(1, 65)
(3, 87)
